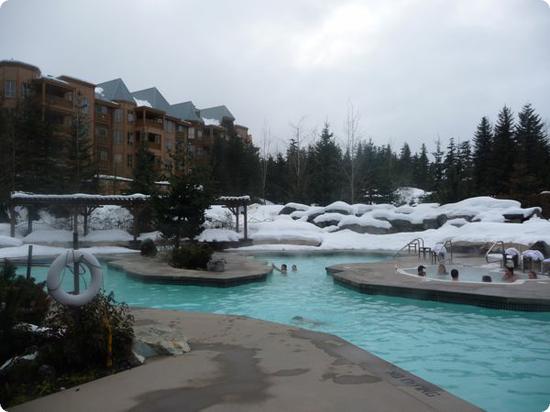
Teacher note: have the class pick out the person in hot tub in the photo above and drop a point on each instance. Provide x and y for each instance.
(441, 270)
(421, 270)
(454, 275)
(509, 275)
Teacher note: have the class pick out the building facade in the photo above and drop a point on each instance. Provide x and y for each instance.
(117, 121)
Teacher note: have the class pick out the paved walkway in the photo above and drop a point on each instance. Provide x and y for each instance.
(241, 364)
(381, 278)
(239, 269)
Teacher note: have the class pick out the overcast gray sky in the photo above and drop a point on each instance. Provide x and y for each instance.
(414, 69)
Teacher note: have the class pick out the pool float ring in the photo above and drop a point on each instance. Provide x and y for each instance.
(54, 279)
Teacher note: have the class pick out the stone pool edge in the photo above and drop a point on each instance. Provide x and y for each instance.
(247, 364)
(240, 270)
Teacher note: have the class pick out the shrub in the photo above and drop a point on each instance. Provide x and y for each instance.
(96, 335)
(191, 256)
(21, 301)
(148, 248)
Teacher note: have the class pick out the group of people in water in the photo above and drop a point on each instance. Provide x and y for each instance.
(508, 276)
(284, 268)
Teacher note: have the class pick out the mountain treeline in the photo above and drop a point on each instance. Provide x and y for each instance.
(508, 159)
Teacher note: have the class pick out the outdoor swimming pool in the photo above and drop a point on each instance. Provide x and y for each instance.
(498, 360)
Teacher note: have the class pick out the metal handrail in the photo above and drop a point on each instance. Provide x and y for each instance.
(417, 243)
(498, 242)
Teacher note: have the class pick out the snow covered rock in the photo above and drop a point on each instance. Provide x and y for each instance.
(292, 207)
(328, 219)
(365, 224)
(339, 207)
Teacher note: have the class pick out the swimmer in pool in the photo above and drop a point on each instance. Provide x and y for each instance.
(486, 278)
(509, 275)
(442, 270)
(454, 275)
(283, 269)
(421, 270)
(294, 268)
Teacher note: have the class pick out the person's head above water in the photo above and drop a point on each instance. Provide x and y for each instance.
(486, 278)
(532, 274)
(441, 269)
(284, 267)
(454, 274)
(421, 270)
(294, 268)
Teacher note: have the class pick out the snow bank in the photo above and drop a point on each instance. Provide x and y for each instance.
(49, 236)
(286, 230)
(6, 241)
(410, 195)
(112, 235)
(364, 221)
(218, 235)
(340, 207)
(41, 250)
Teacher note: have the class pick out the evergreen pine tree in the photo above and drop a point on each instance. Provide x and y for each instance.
(502, 158)
(421, 171)
(405, 165)
(80, 168)
(531, 156)
(326, 173)
(437, 171)
(483, 153)
(144, 173)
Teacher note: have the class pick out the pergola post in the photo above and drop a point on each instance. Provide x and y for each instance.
(12, 220)
(245, 223)
(135, 226)
(237, 219)
(29, 220)
(76, 269)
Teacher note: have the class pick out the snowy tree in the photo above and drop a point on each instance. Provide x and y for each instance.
(502, 159)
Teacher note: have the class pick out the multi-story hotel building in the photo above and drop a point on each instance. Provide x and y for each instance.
(119, 120)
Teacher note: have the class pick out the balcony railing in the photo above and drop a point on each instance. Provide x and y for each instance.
(149, 123)
(59, 101)
(102, 117)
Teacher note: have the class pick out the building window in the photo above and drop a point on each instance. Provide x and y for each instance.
(169, 126)
(118, 115)
(9, 88)
(130, 161)
(118, 158)
(84, 104)
(117, 137)
(101, 134)
(103, 155)
(168, 146)
(153, 138)
(130, 138)
(131, 117)
(25, 89)
(191, 133)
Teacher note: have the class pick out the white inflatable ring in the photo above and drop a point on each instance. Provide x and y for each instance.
(58, 266)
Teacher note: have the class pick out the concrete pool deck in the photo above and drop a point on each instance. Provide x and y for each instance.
(381, 279)
(243, 364)
(239, 269)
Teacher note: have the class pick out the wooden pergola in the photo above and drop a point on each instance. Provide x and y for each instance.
(77, 204)
(235, 203)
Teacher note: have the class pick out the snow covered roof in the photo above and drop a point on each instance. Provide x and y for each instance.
(185, 111)
(22, 198)
(153, 97)
(141, 103)
(217, 112)
(114, 90)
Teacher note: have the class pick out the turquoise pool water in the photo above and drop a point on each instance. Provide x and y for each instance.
(498, 360)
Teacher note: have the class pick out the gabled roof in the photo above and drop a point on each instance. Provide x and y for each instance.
(154, 97)
(113, 90)
(217, 112)
(185, 111)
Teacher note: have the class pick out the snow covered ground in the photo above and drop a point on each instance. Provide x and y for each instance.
(294, 226)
